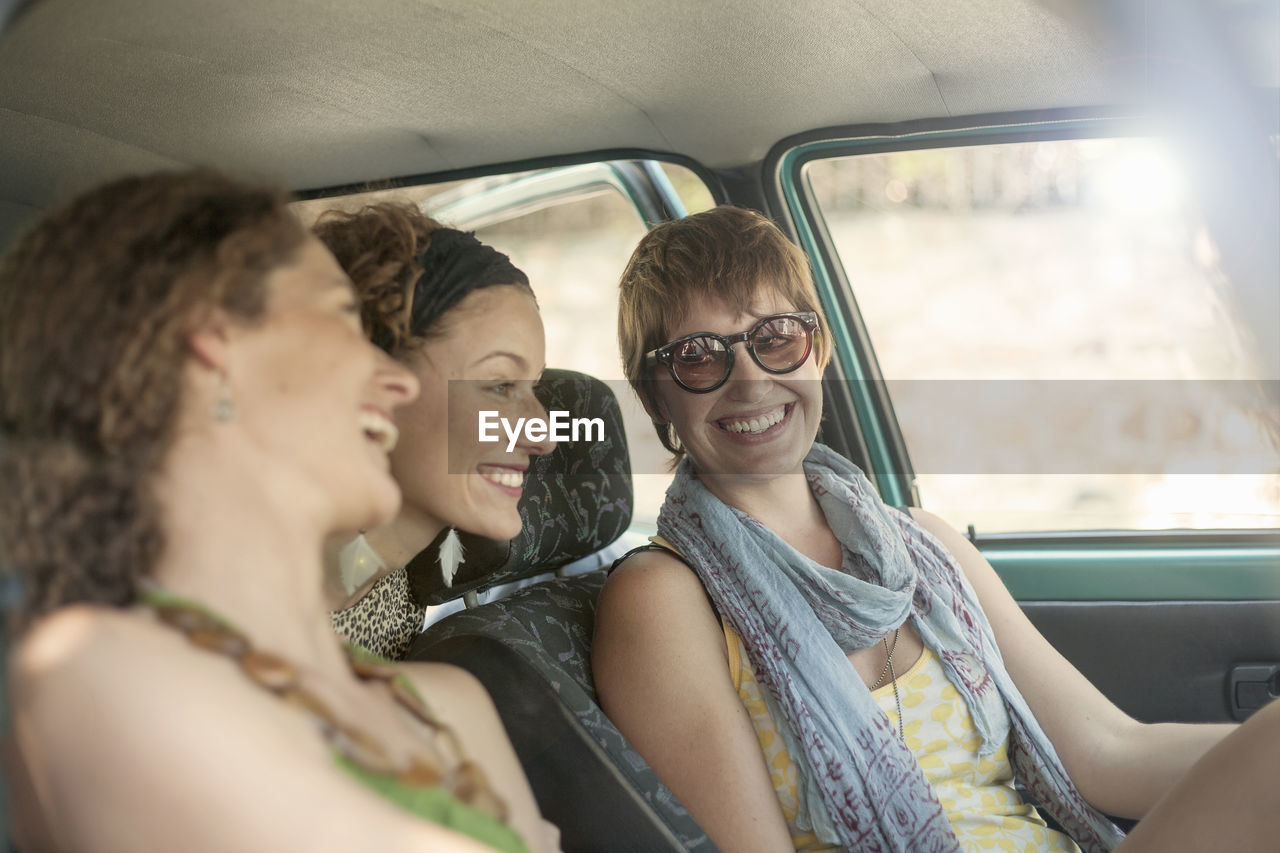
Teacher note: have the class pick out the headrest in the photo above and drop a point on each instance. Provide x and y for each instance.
(576, 501)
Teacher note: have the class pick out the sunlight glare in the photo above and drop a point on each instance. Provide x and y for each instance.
(1141, 180)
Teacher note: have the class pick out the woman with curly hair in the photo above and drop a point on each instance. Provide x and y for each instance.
(188, 409)
(463, 319)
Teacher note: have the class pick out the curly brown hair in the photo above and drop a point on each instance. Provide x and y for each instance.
(96, 305)
(383, 248)
(379, 246)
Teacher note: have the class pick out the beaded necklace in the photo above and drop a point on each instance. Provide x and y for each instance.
(464, 779)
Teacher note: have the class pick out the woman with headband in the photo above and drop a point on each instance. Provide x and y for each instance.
(209, 415)
(463, 319)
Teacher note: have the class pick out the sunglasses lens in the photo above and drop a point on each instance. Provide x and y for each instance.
(699, 362)
(781, 343)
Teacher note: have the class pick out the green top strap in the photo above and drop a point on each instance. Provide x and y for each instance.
(437, 805)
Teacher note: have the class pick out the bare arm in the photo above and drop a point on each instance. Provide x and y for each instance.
(662, 673)
(1227, 801)
(464, 705)
(1121, 766)
(136, 743)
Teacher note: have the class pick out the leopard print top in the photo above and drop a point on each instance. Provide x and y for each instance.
(386, 620)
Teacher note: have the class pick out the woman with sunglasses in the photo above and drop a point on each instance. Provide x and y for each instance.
(189, 408)
(805, 667)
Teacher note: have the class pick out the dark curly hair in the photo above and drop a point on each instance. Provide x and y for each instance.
(383, 248)
(96, 305)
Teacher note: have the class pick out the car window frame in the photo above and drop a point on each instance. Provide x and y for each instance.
(1134, 565)
(708, 177)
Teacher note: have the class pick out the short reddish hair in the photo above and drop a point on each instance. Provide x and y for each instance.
(728, 253)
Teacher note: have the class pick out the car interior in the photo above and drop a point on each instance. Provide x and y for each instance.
(1044, 233)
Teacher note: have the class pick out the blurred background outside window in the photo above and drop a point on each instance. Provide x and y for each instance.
(1056, 335)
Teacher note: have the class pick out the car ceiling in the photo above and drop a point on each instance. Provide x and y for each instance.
(317, 93)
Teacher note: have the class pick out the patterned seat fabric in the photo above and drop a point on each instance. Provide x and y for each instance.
(532, 649)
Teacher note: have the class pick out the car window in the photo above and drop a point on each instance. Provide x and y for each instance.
(573, 246)
(1055, 335)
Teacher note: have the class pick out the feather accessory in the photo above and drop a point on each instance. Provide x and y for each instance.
(450, 556)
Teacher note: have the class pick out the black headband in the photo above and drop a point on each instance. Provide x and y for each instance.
(454, 265)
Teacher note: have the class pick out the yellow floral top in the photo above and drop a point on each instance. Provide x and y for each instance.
(977, 793)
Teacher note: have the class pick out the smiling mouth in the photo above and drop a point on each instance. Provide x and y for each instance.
(508, 477)
(757, 424)
(379, 429)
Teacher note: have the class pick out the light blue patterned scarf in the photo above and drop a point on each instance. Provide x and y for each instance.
(859, 785)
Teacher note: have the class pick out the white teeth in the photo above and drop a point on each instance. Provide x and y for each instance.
(755, 425)
(379, 429)
(503, 477)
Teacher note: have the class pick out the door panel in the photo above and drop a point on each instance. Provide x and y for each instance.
(1162, 661)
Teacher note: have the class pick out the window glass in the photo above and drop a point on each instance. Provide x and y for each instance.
(692, 191)
(573, 250)
(1057, 335)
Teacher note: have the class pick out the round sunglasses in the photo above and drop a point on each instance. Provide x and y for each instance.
(702, 362)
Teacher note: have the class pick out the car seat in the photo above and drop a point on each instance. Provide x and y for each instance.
(532, 649)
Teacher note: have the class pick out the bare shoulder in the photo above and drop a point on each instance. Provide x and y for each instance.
(661, 667)
(990, 589)
(655, 630)
(84, 646)
(653, 611)
(186, 741)
(652, 584)
(95, 690)
(124, 666)
(66, 633)
(943, 531)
